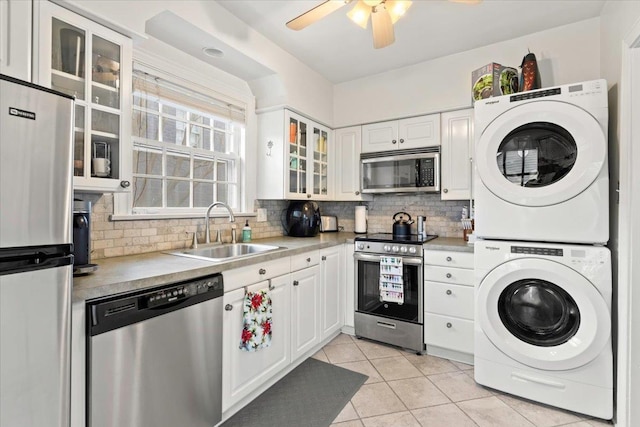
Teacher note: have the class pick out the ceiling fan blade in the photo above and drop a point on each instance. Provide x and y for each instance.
(318, 12)
(382, 27)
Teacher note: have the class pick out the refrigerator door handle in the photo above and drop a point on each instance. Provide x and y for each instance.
(24, 264)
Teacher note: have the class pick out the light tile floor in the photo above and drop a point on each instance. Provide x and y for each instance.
(407, 390)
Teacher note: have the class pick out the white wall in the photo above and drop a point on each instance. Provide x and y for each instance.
(565, 55)
(617, 19)
(299, 87)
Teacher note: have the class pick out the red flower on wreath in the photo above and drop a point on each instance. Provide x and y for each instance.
(246, 335)
(266, 327)
(256, 300)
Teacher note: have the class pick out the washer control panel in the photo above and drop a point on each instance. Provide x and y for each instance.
(528, 250)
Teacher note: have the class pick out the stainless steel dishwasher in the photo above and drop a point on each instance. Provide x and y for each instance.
(155, 356)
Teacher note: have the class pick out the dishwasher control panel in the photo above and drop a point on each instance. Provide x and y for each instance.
(176, 293)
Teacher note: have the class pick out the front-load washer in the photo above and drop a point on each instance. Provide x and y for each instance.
(541, 165)
(543, 323)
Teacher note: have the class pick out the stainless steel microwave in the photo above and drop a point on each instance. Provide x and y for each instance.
(401, 171)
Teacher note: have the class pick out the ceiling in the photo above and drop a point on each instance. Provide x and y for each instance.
(341, 51)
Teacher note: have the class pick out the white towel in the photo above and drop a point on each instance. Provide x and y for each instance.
(257, 319)
(391, 281)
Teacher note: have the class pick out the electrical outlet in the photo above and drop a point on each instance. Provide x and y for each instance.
(262, 215)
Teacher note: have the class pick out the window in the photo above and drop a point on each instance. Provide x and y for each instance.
(187, 148)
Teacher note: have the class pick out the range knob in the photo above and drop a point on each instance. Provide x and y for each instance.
(403, 249)
(360, 246)
(387, 248)
(412, 250)
(395, 248)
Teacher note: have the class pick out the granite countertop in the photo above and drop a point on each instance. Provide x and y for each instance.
(454, 244)
(134, 272)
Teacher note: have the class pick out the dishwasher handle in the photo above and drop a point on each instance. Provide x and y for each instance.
(110, 313)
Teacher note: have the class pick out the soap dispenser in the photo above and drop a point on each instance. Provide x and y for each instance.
(246, 232)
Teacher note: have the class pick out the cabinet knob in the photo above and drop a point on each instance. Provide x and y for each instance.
(393, 141)
(228, 307)
(401, 140)
(262, 271)
(449, 292)
(125, 184)
(449, 325)
(271, 286)
(324, 257)
(445, 191)
(448, 275)
(449, 259)
(308, 196)
(296, 283)
(357, 193)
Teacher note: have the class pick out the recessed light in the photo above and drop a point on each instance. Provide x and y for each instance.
(213, 52)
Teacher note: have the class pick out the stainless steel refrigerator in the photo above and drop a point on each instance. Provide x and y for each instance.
(36, 261)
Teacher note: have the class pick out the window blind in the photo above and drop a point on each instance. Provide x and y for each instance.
(154, 85)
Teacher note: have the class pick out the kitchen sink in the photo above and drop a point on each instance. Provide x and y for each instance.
(226, 252)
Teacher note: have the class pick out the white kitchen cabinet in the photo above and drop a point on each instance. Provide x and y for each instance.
(293, 157)
(347, 148)
(244, 371)
(305, 303)
(15, 38)
(456, 154)
(82, 58)
(332, 285)
(414, 132)
(448, 304)
(349, 289)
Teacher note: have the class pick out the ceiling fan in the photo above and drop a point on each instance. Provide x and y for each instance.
(383, 13)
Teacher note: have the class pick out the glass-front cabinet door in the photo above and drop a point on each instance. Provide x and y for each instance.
(92, 63)
(307, 158)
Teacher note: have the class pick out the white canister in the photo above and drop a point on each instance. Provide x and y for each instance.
(361, 220)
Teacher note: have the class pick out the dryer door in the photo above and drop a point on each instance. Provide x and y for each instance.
(541, 153)
(543, 314)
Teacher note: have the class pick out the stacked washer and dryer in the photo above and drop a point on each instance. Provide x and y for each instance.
(543, 276)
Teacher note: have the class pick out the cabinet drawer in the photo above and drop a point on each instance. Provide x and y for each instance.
(449, 259)
(239, 277)
(448, 332)
(458, 276)
(449, 300)
(307, 259)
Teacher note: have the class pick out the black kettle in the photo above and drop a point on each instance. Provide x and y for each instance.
(402, 224)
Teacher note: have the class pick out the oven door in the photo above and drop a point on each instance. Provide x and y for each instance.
(368, 301)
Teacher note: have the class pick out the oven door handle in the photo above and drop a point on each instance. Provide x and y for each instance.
(376, 258)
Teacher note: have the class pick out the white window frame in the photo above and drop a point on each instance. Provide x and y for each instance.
(123, 201)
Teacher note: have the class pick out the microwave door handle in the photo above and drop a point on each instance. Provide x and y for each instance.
(436, 161)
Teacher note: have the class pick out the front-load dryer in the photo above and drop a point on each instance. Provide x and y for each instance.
(541, 165)
(543, 323)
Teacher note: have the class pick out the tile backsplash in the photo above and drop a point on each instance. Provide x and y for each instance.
(117, 238)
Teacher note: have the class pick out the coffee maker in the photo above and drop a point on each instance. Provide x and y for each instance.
(82, 238)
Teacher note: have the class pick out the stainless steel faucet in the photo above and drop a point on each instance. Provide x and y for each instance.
(206, 219)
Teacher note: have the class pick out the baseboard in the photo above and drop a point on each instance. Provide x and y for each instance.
(450, 354)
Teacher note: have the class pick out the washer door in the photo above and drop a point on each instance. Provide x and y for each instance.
(541, 153)
(543, 314)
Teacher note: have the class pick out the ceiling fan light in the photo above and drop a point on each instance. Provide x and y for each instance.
(360, 14)
(381, 27)
(397, 8)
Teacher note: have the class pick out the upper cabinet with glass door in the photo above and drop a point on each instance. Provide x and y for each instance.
(294, 159)
(82, 58)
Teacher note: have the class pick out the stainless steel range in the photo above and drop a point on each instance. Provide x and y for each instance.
(389, 283)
